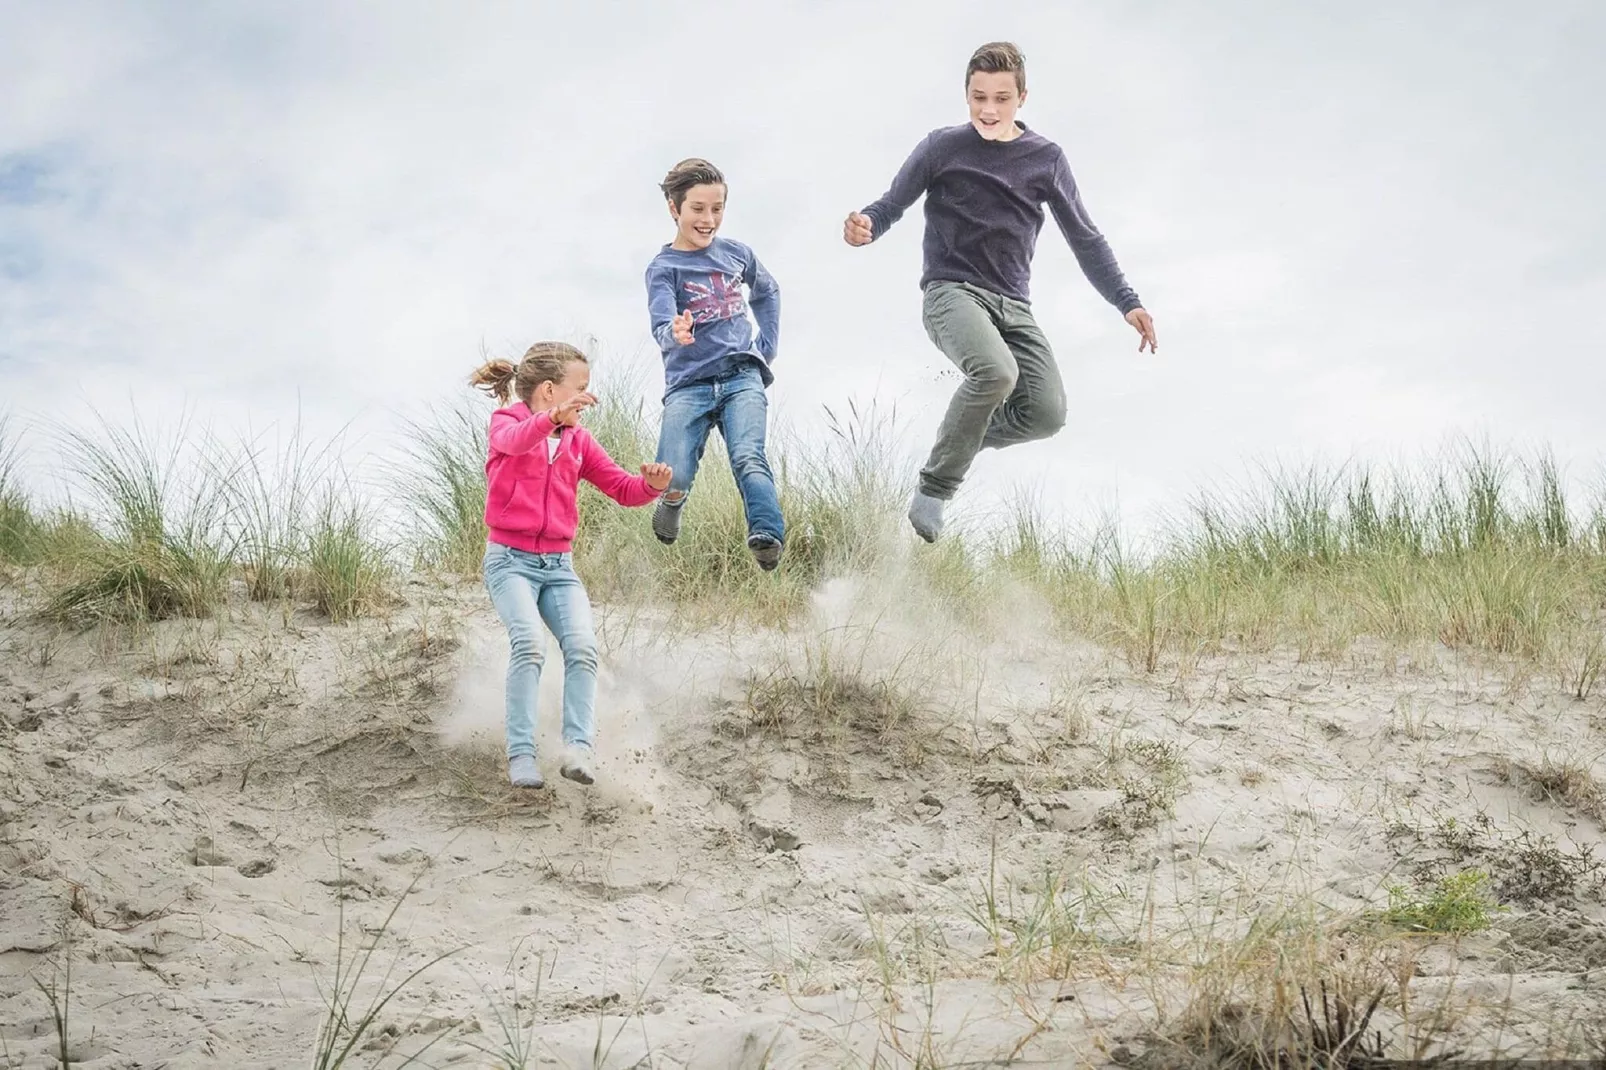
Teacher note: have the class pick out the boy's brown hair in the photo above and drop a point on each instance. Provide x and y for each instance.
(686, 174)
(995, 57)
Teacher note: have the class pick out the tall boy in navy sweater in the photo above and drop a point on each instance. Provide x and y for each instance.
(986, 183)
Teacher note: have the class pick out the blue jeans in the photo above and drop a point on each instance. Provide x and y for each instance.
(527, 589)
(738, 405)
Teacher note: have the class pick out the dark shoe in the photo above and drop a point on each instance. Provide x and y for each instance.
(666, 521)
(766, 550)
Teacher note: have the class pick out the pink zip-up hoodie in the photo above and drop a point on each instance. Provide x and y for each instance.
(530, 502)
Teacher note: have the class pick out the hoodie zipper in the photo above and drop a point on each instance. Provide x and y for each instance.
(546, 486)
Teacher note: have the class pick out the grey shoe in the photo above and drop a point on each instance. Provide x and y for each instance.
(524, 773)
(577, 765)
(666, 520)
(925, 513)
(766, 550)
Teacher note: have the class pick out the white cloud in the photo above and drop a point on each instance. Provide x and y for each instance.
(1362, 231)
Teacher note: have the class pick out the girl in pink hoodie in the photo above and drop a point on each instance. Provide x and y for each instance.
(539, 453)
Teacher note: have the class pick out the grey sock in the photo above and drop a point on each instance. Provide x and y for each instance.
(524, 773)
(577, 764)
(925, 513)
(666, 520)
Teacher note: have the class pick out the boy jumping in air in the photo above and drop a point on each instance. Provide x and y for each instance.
(986, 182)
(716, 359)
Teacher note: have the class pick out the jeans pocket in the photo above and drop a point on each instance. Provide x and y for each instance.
(937, 305)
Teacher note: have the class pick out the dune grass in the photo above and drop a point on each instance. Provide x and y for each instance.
(1477, 550)
(442, 482)
(20, 528)
(158, 548)
(346, 572)
(272, 495)
(160, 523)
(839, 496)
(1483, 552)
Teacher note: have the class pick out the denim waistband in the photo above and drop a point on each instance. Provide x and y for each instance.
(545, 559)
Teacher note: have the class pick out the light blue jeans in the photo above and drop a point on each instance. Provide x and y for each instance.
(738, 405)
(528, 589)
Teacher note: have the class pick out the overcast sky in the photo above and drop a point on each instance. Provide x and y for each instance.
(1362, 228)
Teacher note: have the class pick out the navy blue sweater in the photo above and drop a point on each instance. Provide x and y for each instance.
(984, 210)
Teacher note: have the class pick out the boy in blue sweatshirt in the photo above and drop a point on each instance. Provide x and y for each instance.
(716, 357)
(986, 183)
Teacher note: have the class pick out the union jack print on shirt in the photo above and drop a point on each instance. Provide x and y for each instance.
(719, 298)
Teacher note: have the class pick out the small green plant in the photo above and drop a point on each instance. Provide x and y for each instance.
(1522, 868)
(1457, 903)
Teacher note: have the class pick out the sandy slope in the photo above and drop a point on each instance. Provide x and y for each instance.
(188, 814)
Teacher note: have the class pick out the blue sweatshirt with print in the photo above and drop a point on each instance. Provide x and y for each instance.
(709, 283)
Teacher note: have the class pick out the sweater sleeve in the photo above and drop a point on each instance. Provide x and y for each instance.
(907, 186)
(661, 305)
(511, 433)
(1092, 251)
(602, 472)
(765, 303)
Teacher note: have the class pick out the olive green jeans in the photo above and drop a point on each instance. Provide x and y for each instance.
(1012, 391)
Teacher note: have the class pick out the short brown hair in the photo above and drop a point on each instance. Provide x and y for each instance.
(998, 57)
(686, 174)
(544, 362)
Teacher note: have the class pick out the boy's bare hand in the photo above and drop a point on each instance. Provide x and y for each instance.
(857, 229)
(568, 414)
(1144, 325)
(656, 475)
(681, 326)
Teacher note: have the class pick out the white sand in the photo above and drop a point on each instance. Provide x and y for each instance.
(186, 814)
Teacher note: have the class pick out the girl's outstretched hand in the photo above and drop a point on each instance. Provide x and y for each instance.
(656, 475)
(568, 413)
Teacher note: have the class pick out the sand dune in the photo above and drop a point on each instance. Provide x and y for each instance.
(876, 839)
